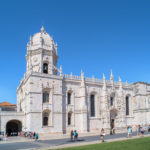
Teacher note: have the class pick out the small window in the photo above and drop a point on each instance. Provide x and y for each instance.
(69, 98)
(127, 105)
(92, 102)
(111, 101)
(69, 118)
(45, 68)
(45, 97)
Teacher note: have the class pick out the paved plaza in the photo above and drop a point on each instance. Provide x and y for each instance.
(24, 143)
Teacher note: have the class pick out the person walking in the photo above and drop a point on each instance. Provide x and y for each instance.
(137, 130)
(36, 136)
(129, 131)
(71, 135)
(75, 135)
(102, 134)
(142, 131)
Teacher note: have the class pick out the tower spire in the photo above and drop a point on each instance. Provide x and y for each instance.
(111, 75)
(42, 29)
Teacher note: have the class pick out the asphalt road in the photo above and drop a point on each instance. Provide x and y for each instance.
(58, 142)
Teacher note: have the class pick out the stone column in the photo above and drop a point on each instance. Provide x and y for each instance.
(104, 107)
(121, 105)
(83, 104)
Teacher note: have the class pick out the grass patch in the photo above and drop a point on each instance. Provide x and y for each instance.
(133, 144)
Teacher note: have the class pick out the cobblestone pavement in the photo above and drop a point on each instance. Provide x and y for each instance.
(45, 144)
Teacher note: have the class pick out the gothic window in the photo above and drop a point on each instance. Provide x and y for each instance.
(111, 101)
(45, 68)
(127, 105)
(69, 98)
(45, 97)
(92, 104)
(69, 118)
(45, 118)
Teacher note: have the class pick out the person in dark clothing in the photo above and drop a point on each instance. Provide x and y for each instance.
(71, 135)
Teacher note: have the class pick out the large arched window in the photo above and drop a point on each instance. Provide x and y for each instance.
(127, 105)
(45, 118)
(68, 98)
(69, 118)
(45, 97)
(111, 101)
(45, 68)
(92, 105)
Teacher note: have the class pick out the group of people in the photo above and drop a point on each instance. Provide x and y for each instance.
(74, 135)
(140, 130)
(31, 135)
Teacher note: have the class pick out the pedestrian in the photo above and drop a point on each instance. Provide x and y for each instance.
(36, 136)
(137, 130)
(142, 131)
(71, 135)
(149, 128)
(102, 134)
(129, 131)
(75, 135)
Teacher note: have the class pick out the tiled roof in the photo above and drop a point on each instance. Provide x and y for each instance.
(7, 104)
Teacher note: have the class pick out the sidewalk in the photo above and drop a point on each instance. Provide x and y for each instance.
(93, 142)
(16, 139)
(56, 142)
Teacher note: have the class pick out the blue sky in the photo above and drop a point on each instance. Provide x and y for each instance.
(93, 35)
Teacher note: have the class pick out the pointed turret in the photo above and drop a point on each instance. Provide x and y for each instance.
(82, 79)
(83, 103)
(42, 30)
(41, 41)
(27, 46)
(60, 71)
(120, 86)
(30, 40)
(111, 76)
(120, 83)
(104, 82)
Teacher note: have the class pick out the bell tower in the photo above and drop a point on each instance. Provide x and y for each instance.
(42, 54)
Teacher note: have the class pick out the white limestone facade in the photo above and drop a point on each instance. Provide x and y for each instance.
(52, 102)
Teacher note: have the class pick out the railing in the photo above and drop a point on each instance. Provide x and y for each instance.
(70, 76)
(93, 80)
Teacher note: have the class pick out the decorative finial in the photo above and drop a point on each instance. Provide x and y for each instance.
(119, 79)
(111, 75)
(60, 70)
(42, 29)
(104, 83)
(27, 46)
(103, 76)
(82, 73)
(111, 72)
(30, 40)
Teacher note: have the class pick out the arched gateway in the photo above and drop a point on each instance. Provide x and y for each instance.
(13, 127)
(113, 114)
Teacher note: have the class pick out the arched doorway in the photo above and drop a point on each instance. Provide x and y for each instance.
(113, 114)
(13, 127)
